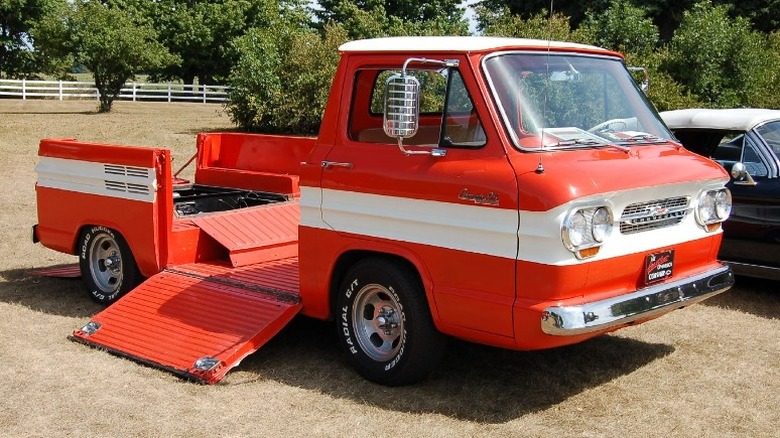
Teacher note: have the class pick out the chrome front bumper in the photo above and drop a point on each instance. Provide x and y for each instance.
(645, 303)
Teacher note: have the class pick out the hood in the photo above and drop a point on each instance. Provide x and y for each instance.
(572, 174)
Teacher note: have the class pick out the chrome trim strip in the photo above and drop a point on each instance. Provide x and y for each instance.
(644, 303)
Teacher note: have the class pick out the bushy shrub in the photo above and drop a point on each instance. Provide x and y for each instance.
(621, 27)
(540, 26)
(282, 79)
(717, 58)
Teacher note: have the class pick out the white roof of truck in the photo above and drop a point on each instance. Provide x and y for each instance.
(455, 44)
(735, 119)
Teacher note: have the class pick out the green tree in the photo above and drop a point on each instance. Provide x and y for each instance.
(528, 9)
(17, 17)
(370, 19)
(282, 79)
(113, 43)
(768, 97)
(764, 14)
(201, 32)
(539, 26)
(621, 27)
(665, 92)
(726, 68)
(405, 10)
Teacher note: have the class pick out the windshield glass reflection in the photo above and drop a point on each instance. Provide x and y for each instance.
(564, 101)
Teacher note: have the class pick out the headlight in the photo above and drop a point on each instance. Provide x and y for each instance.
(586, 228)
(576, 228)
(602, 224)
(714, 206)
(723, 204)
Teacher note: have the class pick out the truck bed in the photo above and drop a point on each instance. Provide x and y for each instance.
(195, 199)
(130, 190)
(220, 254)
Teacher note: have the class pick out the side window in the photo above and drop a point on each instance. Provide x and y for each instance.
(771, 135)
(740, 148)
(461, 124)
(447, 114)
(755, 166)
(729, 151)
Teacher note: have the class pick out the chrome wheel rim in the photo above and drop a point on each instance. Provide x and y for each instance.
(105, 263)
(378, 322)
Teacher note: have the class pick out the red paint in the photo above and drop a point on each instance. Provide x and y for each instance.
(174, 318)
(205, 304)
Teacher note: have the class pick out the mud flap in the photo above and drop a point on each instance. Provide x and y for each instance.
(196, 323)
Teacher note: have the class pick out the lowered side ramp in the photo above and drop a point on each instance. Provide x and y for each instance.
(200, 320)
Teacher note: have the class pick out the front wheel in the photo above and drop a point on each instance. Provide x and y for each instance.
(107, 264)
(385, 326)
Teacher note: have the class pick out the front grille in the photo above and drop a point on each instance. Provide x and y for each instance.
(652, 215)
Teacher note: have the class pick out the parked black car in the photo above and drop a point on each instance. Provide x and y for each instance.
(747, 143)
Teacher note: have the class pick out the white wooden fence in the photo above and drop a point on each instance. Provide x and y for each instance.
(135, 91)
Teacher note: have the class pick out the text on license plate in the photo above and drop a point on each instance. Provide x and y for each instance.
(659, 266)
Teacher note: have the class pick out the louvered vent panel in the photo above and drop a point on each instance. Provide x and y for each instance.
(136, 172)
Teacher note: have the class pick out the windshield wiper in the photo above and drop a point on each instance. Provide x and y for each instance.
(642, 137)
(577, 142)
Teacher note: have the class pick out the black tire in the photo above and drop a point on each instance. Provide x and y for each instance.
(397, 343)
(107, 265)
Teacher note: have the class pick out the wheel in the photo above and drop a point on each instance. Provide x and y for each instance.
(384, 323)
(107, 264)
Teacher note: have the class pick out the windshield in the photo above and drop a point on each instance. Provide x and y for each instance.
(770, 132)
(564, 101)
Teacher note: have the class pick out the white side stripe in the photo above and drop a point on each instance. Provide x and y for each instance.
(482, 230)
(117, 181)
(494, 231)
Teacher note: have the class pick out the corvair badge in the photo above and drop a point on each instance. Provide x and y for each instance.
(656, 210)
(478, 198)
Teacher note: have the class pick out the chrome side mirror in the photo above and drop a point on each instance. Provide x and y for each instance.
(402, 106)
(741, 175)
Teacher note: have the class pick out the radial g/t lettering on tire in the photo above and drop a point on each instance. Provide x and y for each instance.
(107, 264)
(384, 323)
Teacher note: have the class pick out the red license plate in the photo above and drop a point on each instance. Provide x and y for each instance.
(659, 266)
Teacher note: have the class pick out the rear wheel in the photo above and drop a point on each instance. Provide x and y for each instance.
(385, 326)
(107, 264)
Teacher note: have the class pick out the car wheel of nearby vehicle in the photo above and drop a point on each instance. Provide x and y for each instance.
(107, 264)
(385, 325)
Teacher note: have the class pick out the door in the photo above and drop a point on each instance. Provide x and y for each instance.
(752, 233)
(453, 213)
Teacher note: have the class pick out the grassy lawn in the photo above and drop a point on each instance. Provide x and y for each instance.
(709, 370)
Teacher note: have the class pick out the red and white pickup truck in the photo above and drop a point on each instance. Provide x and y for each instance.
(516, 193)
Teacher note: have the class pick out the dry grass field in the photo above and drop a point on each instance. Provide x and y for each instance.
(710, 370)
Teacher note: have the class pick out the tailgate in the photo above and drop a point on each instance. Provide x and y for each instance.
(200, 320)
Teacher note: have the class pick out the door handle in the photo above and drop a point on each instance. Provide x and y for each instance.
(326, 164)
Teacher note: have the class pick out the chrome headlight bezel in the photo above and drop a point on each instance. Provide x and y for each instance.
(713, 206)
(723, 204)
(586, 227)
(602, 224)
